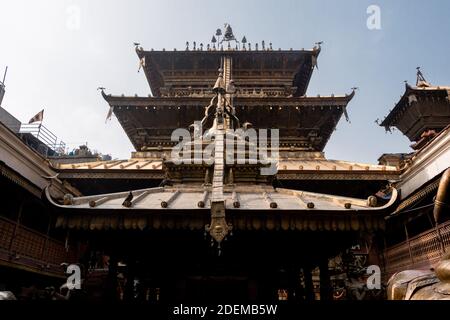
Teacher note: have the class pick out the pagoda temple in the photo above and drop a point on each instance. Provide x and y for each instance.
(227, 194)
(418, 229)
(214, 228)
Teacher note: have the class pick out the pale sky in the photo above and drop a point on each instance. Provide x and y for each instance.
(60, 51)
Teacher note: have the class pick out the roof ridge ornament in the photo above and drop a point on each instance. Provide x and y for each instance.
(420, 81)
(228, 36)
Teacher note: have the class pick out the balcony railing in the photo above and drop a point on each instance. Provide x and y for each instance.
(49, 140)
(419, 252)
(25, 246)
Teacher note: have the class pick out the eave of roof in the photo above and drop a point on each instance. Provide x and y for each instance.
(156, 80)
(285, 167)
(389, 120)
(251, 198)
(136, 101)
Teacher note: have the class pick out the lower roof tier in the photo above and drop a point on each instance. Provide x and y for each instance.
(189, 207)
(304, 123)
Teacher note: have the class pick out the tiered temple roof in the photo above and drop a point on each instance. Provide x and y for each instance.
(422, 108)
(253, 90)
(269, 90)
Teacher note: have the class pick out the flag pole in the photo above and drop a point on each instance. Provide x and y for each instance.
(4, 75)
(40, 124)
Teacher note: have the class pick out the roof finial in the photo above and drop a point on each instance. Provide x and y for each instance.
(228, 34)
(318, 46)
(420, 81)
(137, 46)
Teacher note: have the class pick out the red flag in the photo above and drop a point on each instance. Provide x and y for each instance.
(38, 117)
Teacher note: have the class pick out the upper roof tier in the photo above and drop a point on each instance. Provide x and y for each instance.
(304, 122)
(421, 108)
(172, 70)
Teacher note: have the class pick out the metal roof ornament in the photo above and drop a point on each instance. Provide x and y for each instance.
(318, 45)
(420, 81)
(228, 34)
(219, 86)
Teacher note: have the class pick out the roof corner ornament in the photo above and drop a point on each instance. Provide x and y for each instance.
(111, 108)
(102, 91)
(137, 46)
(316, 51)
(420, 81)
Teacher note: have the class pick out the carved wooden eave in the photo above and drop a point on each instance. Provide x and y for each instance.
(26, 167)
(419, 109)
(288, 169)
(288, 68)
(161, 102)
(247, 208)
(304, 122)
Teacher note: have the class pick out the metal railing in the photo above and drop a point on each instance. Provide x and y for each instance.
(50, 141)
(421, 251)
